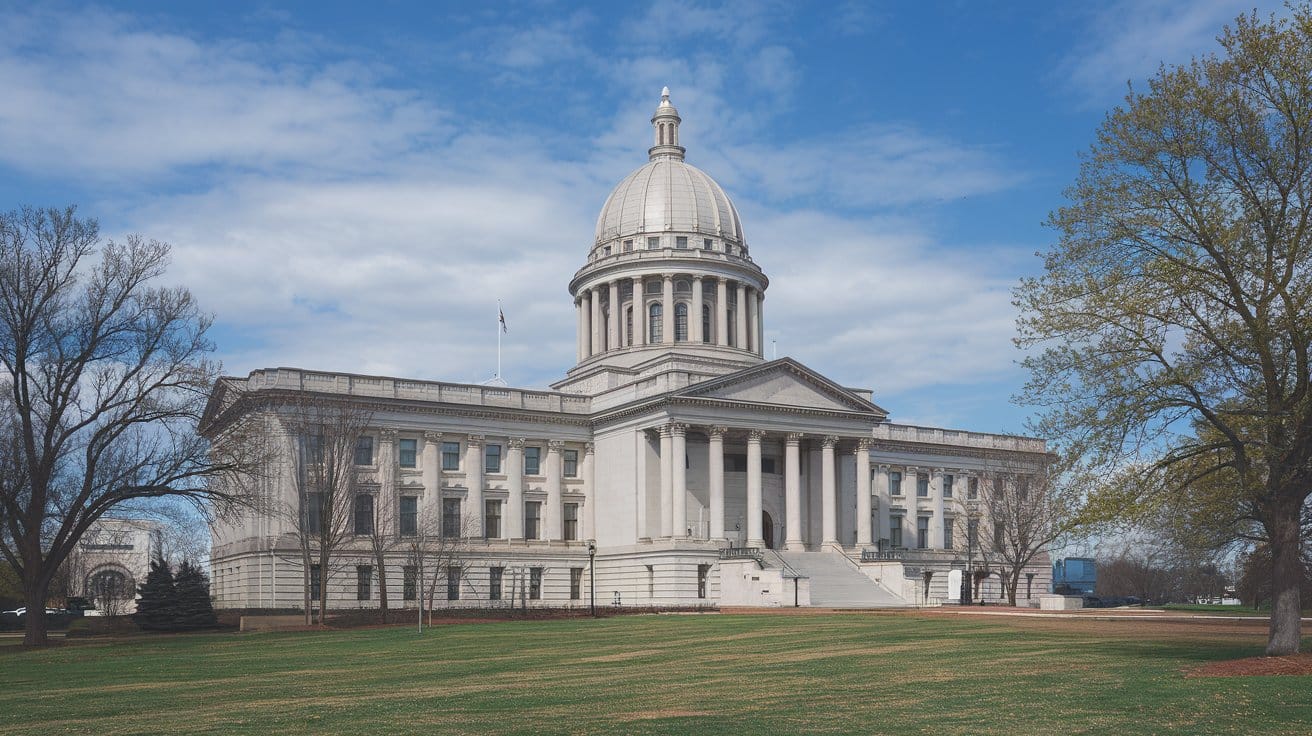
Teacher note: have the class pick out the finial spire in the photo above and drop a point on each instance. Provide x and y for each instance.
(666, 135)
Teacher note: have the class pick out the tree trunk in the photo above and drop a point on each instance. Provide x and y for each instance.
(1286, 573)
(305, 584)
(1012, 584)
(382, 588)
(34, 621)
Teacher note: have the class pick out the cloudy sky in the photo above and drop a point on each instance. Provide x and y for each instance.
(352, 187)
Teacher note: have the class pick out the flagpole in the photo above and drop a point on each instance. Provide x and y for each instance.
(498, 325)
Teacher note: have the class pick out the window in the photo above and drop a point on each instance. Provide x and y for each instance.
(653, 243)
(654, 323)
(532, 519)
(575, 583)
(312, 447)
(492, 519)
(364, 579)
(735, 462)
(922, 485)
(453, 583)
(628, 246)
(450, 517)
(408, 450)
(605, 251)
(654, 288)
(706, 244)
(313, 512)
(410, 583)
(681, 241)
(532, 461)
(769, 466)
(894, 483)
(706, 323)
(492, 459)
(999, 536)
(409, 516)
(364, 514)
(972, 533)
(571, 463)
(571, 521)
(364, 450)
(450, 455)
(922, 532)
(895, 531)
(681, 322)
(316, 584)
(703, 573)
(972, 488)
(947, 532)
(947, 488)
(651, 581)
(535, 583)
(494, 582)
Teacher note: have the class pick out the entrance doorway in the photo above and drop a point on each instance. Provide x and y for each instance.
(767, 529)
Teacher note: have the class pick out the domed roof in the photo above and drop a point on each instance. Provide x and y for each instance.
(668, 195)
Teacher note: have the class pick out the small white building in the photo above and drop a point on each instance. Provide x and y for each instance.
(111, 560)
(704, 473)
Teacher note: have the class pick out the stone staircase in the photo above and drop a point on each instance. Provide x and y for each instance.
(837, 583)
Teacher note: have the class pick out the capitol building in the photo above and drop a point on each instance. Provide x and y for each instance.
(673, 464)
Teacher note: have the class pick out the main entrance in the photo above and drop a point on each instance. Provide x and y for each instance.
(767, 529)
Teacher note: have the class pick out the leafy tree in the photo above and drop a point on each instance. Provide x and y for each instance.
(1170, 330)
(193, 608)
(157, 607)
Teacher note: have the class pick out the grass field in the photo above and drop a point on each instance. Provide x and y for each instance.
(740, 674)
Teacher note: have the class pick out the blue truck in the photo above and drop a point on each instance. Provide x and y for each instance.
(1074, 576)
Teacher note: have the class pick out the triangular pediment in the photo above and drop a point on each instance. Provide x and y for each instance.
(783, 382)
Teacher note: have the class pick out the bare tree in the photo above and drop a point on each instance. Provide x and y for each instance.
(435, 551)
(105, 378)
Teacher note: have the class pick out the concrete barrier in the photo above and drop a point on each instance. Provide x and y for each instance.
(1060, 602)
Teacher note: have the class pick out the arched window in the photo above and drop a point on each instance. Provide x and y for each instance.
(107, 587)
(654, 320)
(681, 322)
(706, 323)
(628, 324)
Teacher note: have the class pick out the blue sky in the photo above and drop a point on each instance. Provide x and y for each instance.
(352, 187)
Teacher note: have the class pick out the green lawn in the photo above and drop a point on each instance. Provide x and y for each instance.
(846, 673)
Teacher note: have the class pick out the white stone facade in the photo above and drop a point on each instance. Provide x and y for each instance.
(672, 444)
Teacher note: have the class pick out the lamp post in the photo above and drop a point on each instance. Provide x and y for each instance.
(592, 577)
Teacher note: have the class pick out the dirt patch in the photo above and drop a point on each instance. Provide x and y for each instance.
(1293, 664)
(654, 715)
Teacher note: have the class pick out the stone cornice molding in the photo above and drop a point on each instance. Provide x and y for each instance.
(555, 445)
(475, 440)
(755, 435)
(432, 436)
(717, 431)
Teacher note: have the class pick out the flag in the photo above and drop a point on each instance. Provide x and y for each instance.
(501, 316)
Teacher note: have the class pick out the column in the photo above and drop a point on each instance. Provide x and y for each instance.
(472, 523)
(667, 481)
(667, 309)
(721, 311)
(679, 451)
(432, 477)
(750, 341)
(613, 323)
(936, 523)
(828, 503)
(585, 325)
(639, 313)
(740, 321)
(384, 507)
(695, 314)
(863, 530)
(589, 494)
(580, 329)
(715, 480)
(597, 334)
(513, 518)
(792, 493)
(555, 511)
(885, 501)
(760, 323)
(755, 536)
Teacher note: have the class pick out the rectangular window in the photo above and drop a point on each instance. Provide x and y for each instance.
(703, 574)
(947, 532)
(364, 580)
(681, 241)
(571, 463)
(492, 519)
(535, 583)
(706, 244)
(769, 466)
(453, 583)
(313, 513)
(653, 243)
(532, 461)
(532, 519)
(575, 583)
(494, 582)
(316, 588)
(972, 533)
(450, 517)
(571, 529)
(410, 583)
(364, 514)
(605, 251)
(999, 536)
(628, 246)
(947, 487)
(972, 488)
(895, 532)
(450, 455)
(922, 485)
(735, 462)
(364, 450)
(409, 448)
(922, 532)
(312, 447)
(409, 516)
(492, 459)
(894, 483)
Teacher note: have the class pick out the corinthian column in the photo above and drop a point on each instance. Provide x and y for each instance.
(597, 335)
(740, 318)
(667, 309)
(679, 451)
(474, 481)
(863, 533)
(589, 494)
(721, 311)
(695, 313)
(639, 313)
(667, 481)
(755, 535)
(432, 475)
(555, 511)
(750, 341)
(828, 502)
(514, 516)
(613, 322)
(792, 493)
(715, 480)
(581, 329)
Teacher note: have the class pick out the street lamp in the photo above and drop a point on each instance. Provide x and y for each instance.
(592, 577)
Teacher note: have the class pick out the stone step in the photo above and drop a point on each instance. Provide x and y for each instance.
(836, 583)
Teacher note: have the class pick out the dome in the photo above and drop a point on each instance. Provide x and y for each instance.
(668, 195)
